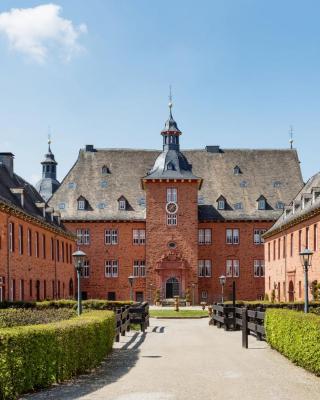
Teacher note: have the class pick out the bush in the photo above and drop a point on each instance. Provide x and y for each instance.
(36, 356)
(296, 335)
(87, 304)
(25, 316)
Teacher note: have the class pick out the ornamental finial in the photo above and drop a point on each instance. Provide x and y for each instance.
(170, 99)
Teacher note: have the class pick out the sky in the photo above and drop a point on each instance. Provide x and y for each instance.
(98, 72)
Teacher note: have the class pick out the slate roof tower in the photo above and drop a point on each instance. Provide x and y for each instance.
(49, 183)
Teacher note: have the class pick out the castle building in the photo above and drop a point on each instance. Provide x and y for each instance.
(296, 229)
(175, 220)
(35, 247)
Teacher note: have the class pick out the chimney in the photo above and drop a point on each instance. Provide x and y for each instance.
(6, 159)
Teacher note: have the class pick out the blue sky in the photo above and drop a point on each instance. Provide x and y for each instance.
(242, 72)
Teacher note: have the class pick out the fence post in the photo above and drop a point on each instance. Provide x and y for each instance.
(244, 328)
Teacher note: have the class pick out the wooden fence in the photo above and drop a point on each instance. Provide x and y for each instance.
(130, 314)
(251, 322)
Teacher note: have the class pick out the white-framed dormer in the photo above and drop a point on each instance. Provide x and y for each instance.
(81, 203)
(221, 203)
(305, 200)
(122, 203)
(262, 203)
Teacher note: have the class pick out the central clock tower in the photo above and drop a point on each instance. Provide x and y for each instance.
(171, 220)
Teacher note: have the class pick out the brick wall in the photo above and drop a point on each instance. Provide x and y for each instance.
(30, 276)
(284, 272)
(162, 262)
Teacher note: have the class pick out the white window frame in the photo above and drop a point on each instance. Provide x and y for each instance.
(111, 268)
(172, 219)
(81, 204)
(111, 236)
(172, 195)
(221, 204)
(83, 236)
(232, 236)
(138, 236)
(257, 236)
(204, 268)
(258, 268)
(232, 268)
(139, 268)
(85, 271)
(204, 294)
(205, 236)
(262, 204)
(122, 204)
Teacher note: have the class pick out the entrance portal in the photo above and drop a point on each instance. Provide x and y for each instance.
(172, 288)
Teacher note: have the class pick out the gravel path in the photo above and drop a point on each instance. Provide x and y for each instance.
(187, 359)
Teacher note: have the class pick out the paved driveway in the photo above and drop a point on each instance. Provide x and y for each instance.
(187, 359)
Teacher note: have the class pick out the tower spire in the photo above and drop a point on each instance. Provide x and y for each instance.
(170, 101)
(291, 136)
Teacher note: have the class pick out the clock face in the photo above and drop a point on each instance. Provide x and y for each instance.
(172, 208)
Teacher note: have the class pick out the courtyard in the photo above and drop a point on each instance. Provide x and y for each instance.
(187, 359)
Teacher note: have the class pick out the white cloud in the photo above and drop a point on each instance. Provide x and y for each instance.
(39, 30)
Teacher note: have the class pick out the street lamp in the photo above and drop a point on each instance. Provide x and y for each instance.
(193, 286)
(131, 279)
(78, 257)
(306, 258)
(222, 280)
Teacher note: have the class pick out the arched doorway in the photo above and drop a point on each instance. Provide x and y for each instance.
(172, 288)
(291, 291)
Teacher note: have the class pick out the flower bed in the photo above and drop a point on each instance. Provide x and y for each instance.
(36, 356)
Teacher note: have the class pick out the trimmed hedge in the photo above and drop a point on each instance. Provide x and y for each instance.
(296, 335)
(36, 356)
(86, 304)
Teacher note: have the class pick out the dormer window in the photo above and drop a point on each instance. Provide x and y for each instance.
(81, 203)
(237, 170)
(262, 203)
(280, 205)
(221, 203)
(105, 170)
(170, 166)
(122, 202)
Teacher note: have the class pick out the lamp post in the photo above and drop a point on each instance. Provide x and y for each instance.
(78, 257)
(131, 279)
(193, 287)
(306, 258)
(222, 280)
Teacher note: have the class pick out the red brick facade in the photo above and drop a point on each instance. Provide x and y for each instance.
(35, 260)
(284, 272)
(162, 262)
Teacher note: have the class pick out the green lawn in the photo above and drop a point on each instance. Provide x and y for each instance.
(178, 314)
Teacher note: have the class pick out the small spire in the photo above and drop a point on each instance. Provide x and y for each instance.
(291, 136)
(49, 139)
(170, 101)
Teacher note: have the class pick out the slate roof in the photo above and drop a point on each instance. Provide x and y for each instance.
(303, 205)
(275, 174)
(46, 187)
(171, 164)
(31, 197)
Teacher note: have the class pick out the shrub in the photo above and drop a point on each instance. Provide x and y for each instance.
(36, 356)
(296, 335)
(25, 316)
